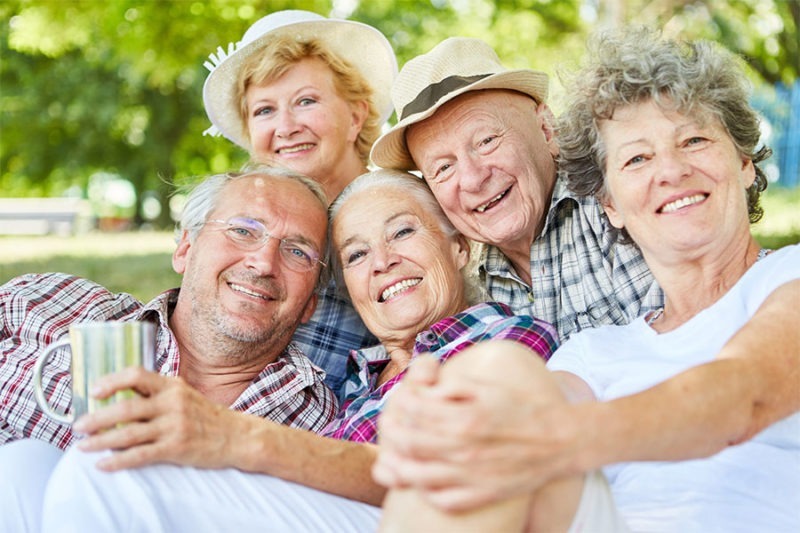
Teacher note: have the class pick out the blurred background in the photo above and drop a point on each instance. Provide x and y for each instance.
(101, 114)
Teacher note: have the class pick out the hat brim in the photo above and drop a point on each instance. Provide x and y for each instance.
(391, 149)
(359, 44)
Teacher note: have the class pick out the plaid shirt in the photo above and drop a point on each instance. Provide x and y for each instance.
(37, 309)
(334, 330)
(581, 277)
(357, 420)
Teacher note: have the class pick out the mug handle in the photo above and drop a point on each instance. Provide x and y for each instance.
(64, 418)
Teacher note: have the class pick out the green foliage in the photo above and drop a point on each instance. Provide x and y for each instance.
(115, 86)
(781, 223)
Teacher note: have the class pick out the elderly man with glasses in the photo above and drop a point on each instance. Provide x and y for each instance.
(250, 249)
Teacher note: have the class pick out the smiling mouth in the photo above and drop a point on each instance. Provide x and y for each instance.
(397, 288)
(491, 203)
(243, 290)
(683, 202)
(295, 149)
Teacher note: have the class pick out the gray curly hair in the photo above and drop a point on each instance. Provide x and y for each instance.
(637, 65)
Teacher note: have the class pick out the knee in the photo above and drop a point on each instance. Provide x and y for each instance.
(72, 484)
(506, 363)
(25, 467)
(28, 459)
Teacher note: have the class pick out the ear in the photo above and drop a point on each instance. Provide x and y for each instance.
(611, 212)
(359, 112)
(748, 172)
(461, 251)
(309, 309)
(181, 253)
(548, 120)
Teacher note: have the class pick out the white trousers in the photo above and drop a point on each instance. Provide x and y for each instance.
(25, 467)
(166, 498)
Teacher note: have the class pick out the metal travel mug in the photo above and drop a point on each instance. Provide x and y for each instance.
(98, 349)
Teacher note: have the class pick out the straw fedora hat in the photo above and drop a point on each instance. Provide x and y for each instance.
(361, 45)
(453, 67)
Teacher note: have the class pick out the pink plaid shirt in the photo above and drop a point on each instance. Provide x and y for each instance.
(364, 400)
(37, 309)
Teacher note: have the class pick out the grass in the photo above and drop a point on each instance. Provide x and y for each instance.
(139, 262)
(135, 262)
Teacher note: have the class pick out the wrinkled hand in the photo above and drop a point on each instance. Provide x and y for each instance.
(168, 422)
(465, 443)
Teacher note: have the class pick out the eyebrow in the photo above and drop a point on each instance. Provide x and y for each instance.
(297, 237)
(294, 94)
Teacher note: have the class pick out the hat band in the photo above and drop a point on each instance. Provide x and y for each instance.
(431, 94)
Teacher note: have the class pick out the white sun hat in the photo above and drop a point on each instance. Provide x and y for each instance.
(453, 67)
(361, 45)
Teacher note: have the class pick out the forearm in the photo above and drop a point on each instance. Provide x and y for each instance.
(679, 419)
(334, 466)
(751, 384)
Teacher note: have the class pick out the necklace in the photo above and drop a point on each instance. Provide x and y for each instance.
(655, 315)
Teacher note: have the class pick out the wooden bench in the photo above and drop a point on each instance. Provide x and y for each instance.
(42, 216)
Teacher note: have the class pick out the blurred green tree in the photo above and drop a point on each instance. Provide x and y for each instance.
(115, 86)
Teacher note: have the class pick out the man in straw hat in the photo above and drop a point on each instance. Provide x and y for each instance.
(483, 137)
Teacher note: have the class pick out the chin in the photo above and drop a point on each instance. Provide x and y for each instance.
(405, 323)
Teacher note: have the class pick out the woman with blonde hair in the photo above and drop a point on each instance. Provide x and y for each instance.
(308, 93)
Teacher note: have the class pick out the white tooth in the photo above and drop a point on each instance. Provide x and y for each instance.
(483, 208)
(239, 288)
(399, 287)
(295, 149)
(683, 202)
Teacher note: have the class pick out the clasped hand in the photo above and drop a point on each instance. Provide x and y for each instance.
(465, 442)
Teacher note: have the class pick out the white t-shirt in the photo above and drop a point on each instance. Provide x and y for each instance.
(754, 486)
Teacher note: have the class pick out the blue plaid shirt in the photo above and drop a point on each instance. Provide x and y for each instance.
(334, 330)
(581, 278)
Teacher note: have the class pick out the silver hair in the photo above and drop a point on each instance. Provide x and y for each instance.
(636, 65)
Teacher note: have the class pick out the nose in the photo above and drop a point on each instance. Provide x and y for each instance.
(673, 167)
(472, 172)
(266, 259)
(384, 258)
(287, 124)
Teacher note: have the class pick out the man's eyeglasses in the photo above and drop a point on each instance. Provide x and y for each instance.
(249, 234)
